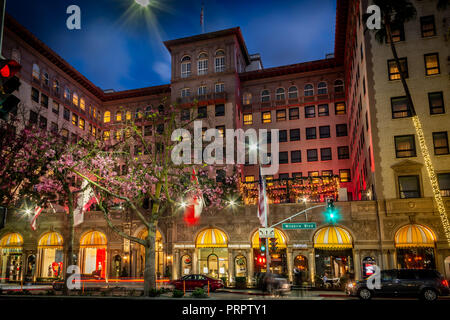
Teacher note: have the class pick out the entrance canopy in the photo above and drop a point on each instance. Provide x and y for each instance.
(280, 236)
(93, 239)
(212, 238)
(333, 237)
(51, 240)
(11, 240)
(414, 235)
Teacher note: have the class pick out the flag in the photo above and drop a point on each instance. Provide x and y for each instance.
(195, 206)
(202, 23)
(84, 201)
(263, 208)
(37, 212)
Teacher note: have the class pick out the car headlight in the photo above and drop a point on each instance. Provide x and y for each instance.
(351, 285)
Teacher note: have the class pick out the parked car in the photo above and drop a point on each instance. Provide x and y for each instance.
(192, 281)
(425, 284)
(275, 283)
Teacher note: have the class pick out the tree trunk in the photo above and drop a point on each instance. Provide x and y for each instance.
(70, 239)
(150, 270)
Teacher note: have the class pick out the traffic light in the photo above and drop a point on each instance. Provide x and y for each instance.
(331, 214)
(273, 244)
(9, 83)
(262, 246)
(261, 260)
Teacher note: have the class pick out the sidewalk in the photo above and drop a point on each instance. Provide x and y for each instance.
(294, 292)
(18, 287)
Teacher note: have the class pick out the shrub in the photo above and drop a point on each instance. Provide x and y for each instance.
(177, 293)
(199, 293)
(155, 292)
(241, 282)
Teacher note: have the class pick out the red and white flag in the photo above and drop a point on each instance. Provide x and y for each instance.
(84, 202)
(37, 212)
(263, 207)
(195, 206)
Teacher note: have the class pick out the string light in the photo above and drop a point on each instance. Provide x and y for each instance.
(433, 178)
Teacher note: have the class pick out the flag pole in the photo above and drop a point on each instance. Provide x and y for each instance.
(266, 204)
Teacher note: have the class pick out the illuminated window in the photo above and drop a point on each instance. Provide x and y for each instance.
(128, 115)
(74, 119)
(106, 135)
(432, 64)
(265, 96)
(427, 26)
(344, 175)
(292, 92)
(82, 104)
(56, 86)
(186, 67)
(119, 135)
(249, 178)
(266, 117)
(75, 99)
(399, 106)
(398, 34)
(310, 112)
(322, 88)
(221, 130)
(279, 95)
(322, 110)
(202, 64)
(81, 124)
(118, 116)
(394, 73)
(340, 108)
(309, 90)
(67, 93)
(281, 115)
(138, 114)
(247, 98)
(36, 72)
(313, 175)
(440, 142)
(248, 118)
(107, 117)
(436, 102)
(405, 146)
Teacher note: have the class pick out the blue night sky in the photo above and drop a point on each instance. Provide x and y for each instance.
(120, 47)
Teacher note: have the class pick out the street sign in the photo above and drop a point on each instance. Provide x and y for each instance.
(266, 233)
(299, 225)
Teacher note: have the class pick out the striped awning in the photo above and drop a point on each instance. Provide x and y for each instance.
(414, 235)
(11, 240)
(212, 238)
(93, 239)
(280, 236)
(333, 237)
(51, 240)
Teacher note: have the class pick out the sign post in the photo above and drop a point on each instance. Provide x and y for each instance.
(266, 233)
(299, 225)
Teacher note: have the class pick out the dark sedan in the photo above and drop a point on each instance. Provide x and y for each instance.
(192, 281)
(425, 284)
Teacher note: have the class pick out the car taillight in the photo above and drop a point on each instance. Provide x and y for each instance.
(444, 283)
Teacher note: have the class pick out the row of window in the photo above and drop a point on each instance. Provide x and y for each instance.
(202, 90)
(75, 98)
(400, 107)
(292, 92)
(409, 186)
(405, 146)
(431, 64)
(202, 64)
(122, 115)
(344, 176)
(312, 155)
(427, 29)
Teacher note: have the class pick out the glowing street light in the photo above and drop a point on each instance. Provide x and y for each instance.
(183, 204)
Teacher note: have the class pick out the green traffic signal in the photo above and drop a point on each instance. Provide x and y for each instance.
(331, 213)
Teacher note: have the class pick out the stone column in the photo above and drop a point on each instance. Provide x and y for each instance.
(195, 261)
(394, 259)
(250, 266)
(357, 264)
(440, 263)
(290, 263)
(386, 257)
(312, 265)
(176, 265)
(230, 267)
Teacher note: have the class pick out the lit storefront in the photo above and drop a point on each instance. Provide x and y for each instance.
(50, 256)
(278, 260)
(333, 249)
(159, 255)
(212, 248)
(415, 247)
(93, 253)
(11, 257)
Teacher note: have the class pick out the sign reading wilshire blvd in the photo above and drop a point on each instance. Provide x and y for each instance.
(299, 225)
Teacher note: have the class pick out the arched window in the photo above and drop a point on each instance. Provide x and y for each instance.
(36, 72)
(107, 117)
(186, 67)
(292, 92)
(309, 90)
(118, 116)
(75, 99)
(247, 98)
(322, 88)
(338, 86)
(202, 64)
(219, 61)
(280, 94)
(265, 96)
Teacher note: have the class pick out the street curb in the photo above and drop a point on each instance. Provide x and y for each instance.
(247, 293)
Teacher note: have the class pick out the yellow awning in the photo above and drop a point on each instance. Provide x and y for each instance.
(93, 239)
(12, 240)
(51, 240)
(212, 238)
(281, 239)
(333, 237)
(144, 235)
(414, 235)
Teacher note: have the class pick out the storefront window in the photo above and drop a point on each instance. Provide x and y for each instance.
(212, 246)
(50, 256)
(416, 258)
(300, 269)
(93, 254)
(11, 257)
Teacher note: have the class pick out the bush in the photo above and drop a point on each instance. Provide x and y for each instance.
(155, 292)
(177, 293)
(199, 293)
(241, 282)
